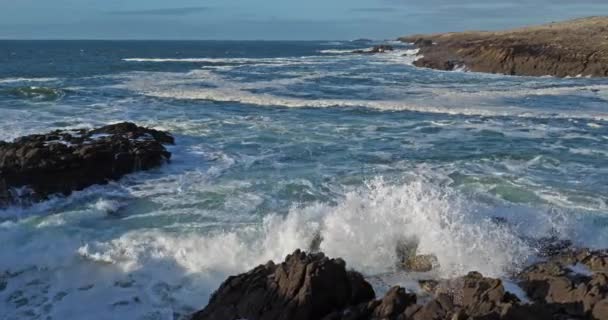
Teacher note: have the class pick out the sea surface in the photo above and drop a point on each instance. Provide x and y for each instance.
(282, 143)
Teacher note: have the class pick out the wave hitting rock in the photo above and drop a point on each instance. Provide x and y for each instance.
(572, 284)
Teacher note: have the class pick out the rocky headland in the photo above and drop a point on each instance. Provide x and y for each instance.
(34, 167)
(569, 284)
(565, 49)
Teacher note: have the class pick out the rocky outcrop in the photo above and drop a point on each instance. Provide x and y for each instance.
(571, 284)
(575, 281)
(34, 167)
(304, 287)
(555, 49)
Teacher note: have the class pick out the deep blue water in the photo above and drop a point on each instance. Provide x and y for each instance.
(278, 142)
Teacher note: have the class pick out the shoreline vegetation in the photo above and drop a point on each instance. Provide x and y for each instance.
(574, 48)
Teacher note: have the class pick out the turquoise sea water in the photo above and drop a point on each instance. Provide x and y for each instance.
(278, 143)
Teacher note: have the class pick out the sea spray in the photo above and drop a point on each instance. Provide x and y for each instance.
(517, 158)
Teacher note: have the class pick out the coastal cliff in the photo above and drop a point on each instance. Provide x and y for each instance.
(571, 48)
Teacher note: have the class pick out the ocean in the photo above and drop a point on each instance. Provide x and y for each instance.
(278, 145)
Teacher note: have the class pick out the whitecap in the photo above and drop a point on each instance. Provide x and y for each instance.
(337, 51)
(441, 100)
(17, 80)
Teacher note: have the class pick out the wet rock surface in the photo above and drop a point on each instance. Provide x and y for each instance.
(555, 49)
(304, 286)
(34, 167)
(574, 283)
(570, 284)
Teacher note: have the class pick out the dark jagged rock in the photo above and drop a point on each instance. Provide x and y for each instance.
(554, 288)
(391, 307)
(555, 49)
(575, 280)
(304, 287)
(394, 303)
(34, 167)
(376, 49)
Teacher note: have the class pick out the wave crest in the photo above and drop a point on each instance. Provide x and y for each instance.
(36, 93)
(365, 228)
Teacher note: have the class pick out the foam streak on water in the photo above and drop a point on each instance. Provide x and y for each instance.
(278, 145)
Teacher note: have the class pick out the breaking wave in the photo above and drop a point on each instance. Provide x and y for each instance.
(36, 93)
(178, 271)
(212, 86)
(16, 80)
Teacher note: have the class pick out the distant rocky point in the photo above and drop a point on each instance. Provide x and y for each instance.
(564, 49)
(34, 167)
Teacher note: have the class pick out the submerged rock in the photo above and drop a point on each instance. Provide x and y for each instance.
(555, 49)
(34, 167)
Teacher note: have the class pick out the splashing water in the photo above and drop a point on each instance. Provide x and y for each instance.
(291, 145)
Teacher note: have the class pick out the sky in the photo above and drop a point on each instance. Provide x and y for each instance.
(274, 19)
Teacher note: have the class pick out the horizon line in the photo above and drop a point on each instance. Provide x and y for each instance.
(235, 40)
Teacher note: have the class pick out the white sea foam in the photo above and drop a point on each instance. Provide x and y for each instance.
(439, 100)
(16, 80)
(337, 51)
(156, 244)
(107, 206)
(213, 60)
(515, 289)
(368, 225)
(155, 271)
(581, 269)
(281, 61)
(460, 68)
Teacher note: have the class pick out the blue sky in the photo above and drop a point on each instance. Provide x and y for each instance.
(273, 19)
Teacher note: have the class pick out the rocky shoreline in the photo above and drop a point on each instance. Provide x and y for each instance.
(35, 167)
(565, 49)
(570, 284)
